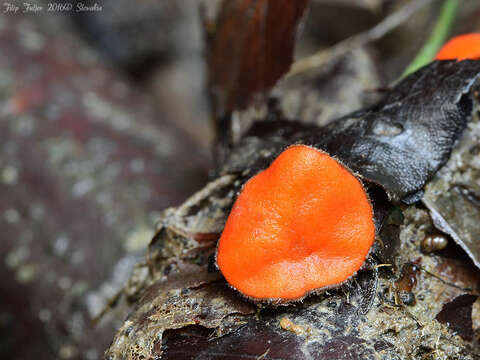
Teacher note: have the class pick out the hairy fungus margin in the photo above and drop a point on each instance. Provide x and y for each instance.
(302, 225)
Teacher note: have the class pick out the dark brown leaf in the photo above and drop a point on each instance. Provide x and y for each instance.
(258, 341)
(191, 296)
(457, 315)
(399, 143)
(402, 141)
(251, 49)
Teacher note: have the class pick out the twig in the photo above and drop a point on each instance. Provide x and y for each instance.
(112, 301)
(437, 37)
(375, 33)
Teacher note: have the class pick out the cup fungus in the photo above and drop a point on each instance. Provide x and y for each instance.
(302, 225)
(462, 47)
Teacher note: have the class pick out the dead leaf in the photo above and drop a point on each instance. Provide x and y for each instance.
(252, 47)
(403, 140)
(457, 315)
(191, 296)
(399, 143)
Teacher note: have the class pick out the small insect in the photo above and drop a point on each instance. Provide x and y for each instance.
(434, 242)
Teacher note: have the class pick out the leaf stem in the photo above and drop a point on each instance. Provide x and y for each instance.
(437, 37)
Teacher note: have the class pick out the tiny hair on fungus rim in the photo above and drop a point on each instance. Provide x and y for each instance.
(302, 225)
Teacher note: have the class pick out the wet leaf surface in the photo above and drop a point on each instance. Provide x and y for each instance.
(259, 340)
(249, 52)
(404, 139)
(399, 143)
(457, 315)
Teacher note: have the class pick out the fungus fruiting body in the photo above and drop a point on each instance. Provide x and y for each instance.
(462, 47)
(303, 224)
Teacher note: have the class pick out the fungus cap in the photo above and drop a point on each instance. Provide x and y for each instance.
(462, 47)
(303, 224)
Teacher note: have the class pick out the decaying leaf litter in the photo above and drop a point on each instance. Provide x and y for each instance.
(347, 321)
(200, 317)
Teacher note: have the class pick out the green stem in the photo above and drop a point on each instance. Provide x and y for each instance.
(437, 37)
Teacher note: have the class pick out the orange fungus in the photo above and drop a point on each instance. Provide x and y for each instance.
(466, 46)
(303, 224)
